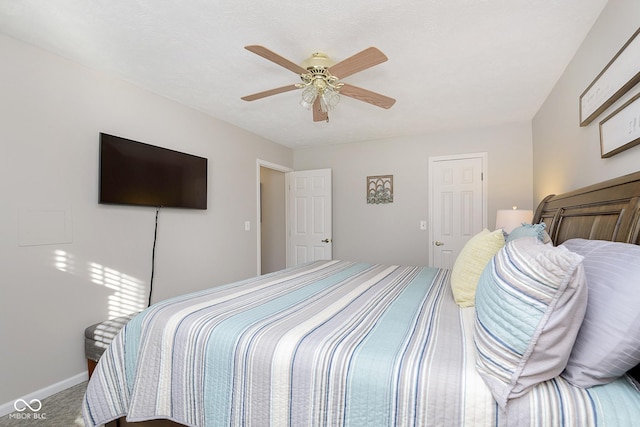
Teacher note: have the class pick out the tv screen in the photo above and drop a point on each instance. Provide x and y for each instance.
(134, 173)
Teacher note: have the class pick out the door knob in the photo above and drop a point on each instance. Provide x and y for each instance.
(438, 243)
(325, 240)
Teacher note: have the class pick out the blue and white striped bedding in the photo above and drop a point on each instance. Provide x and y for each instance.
(330, 343)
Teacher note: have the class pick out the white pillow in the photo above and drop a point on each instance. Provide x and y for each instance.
(608, 343)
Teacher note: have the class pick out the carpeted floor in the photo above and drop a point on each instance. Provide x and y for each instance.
(63, 409)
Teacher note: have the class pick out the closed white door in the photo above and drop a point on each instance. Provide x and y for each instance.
(309, 213)
(457, 204)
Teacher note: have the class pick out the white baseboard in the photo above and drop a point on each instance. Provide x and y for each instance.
(43, 393)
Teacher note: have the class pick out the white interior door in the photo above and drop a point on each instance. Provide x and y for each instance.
(457, 204)
(309, 216)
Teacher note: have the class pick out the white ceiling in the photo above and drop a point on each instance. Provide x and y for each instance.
(452, 63)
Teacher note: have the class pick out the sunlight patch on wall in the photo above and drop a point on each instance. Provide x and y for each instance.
(64, 261)
(129, 292)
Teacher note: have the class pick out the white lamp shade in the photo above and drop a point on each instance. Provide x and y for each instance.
(508, 219)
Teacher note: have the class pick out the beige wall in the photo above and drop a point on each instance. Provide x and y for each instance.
(567, 156)
(52, 112)
(390, 233)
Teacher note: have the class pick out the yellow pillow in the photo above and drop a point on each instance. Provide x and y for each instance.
(471, 261)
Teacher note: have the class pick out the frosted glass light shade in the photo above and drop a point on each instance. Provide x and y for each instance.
(309, 96)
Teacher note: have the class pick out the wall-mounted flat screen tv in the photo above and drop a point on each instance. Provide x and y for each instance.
(134, 173)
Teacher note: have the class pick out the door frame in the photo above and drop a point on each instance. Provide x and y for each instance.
(485, 166)
(280, 168)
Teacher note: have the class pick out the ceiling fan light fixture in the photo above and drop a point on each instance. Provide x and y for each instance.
(319, 82)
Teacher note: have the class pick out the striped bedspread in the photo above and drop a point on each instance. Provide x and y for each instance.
(329, 343)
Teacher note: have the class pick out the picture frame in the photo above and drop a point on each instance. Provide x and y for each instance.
(620, 75)
(380, 189)
(620, 130)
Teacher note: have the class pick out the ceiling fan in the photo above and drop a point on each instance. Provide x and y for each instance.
(321, 85)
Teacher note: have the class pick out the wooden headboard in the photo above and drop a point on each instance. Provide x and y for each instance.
(609, 211)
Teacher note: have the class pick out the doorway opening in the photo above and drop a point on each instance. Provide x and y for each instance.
(271, 216)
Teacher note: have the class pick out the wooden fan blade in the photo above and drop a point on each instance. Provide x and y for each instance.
(358, 62)
(367, 96)
(274, 57)
(318, 114)
(270, 92)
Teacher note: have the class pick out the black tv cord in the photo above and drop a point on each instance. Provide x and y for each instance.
(153, 256)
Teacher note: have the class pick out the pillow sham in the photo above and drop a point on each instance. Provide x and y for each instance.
(469, 264)
(529, 230)
(530, 301)
(608, 343)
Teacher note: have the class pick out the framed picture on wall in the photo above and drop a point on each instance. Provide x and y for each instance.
(621, 129)
(380, 189)
(620, 75)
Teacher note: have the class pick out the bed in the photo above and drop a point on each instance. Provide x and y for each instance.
(339, 343)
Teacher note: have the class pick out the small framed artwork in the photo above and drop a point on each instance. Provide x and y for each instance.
(621, 129)
(380, 189)
(620, 75)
